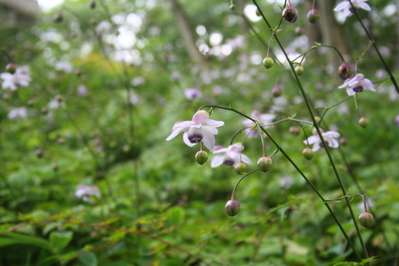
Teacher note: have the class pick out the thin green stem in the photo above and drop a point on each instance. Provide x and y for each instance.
(326, 148)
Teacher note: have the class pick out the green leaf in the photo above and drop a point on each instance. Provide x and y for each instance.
(87, 258)
(59, 240)
(9, 239)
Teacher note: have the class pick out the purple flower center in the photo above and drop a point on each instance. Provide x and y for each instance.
(195, 138)
(358, 89)
(228, 162)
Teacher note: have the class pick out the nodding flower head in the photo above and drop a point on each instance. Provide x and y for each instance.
(345, 71)
(200, 129)
(231, 156)
(356, 84)
(344, 8)
(290, 13)
(330, 137)
(87, 192)
(192, 94)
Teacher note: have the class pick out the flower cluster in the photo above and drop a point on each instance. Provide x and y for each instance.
(18, 78)
(344, 8)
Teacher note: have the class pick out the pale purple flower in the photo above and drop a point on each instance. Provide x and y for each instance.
(63, 66)
(264, 120)
(330, 137)
(232, 156)
(397, 120)
(356, 84)
(18, 113)
(82, 90)
(344, 8)
(21, 78)
(55, 103)
(87, 192)
(192, 93)
(286, 182)
(200, 129)
(133, 98)
(137, 81)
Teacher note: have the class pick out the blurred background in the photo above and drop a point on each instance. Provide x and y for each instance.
(87, 178)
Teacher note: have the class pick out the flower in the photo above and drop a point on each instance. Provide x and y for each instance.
(232, 156)
(357, 84)
(21, 78)
(263, 119)
(200, 129)
(330, 137)
(87, 192)
(82, 90)
(397, 120)
(192, 93)
(344, 8)
(18, 112)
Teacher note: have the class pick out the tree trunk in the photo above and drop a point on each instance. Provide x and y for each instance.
(331, 32)
(187, 33)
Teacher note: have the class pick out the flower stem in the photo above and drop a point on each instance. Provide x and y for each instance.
(326, 148)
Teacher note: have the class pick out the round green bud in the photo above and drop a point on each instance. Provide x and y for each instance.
(366, 219)
(299, 70)
(268, 62)
(363, 121)
(313, 15)
(11, 68)
(201, 157)
(232, 207)
(241, 168)
(265, 163)
(307, 153)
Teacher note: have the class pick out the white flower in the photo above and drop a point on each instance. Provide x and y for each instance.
(232, 156)
(357, 84)
(21, 78)
(87, 192)
(264, 120)
(286, 182)
(82, 90)
(18, 112)
(343, 9)
(330, 137)
(199, 129)
(192, 93)
(63, 66)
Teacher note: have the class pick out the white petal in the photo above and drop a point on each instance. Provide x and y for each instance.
(200, 117)
(208, 140)
(217, 161)
(214, 123)
(245, 159)
(342, 6)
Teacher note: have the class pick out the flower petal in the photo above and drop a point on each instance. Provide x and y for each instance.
(217, 161)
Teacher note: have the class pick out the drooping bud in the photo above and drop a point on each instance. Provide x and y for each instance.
(241, 168)
(277, 90)
(307, 153)
(11, 68)
(295, 130)
(363, 121)
(268, 62)
(265, 163)
(317, 119)
(299, 70)
(93, 4)
(345, 71)
(201, 157)
(232, 207)
(313, 15)
(39, 153)
(290, 13)
(366, 219)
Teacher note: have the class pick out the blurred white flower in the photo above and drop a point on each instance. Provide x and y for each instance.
(20, 78)
(344, 8)
(330, 137)
(232, 156)
(18, 113)
(264, 120)
(63, 66)
(87, 192)
(286, 182)
(82, 90)
(192, 93)
(133, 98)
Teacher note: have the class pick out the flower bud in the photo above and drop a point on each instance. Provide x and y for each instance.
(268, 62)
(345, 71)
(290, 14)
(295, 130)
(363, 121)
(307, 153)
(313, 15)
(201, 157)
(277, 91)
(39, 153)
(317, 119)
(11, 68)
(265, 163)
(232, 207)
(93, 4)
(366, 219)
(299, 70)
(241, 168)
(59, 18)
